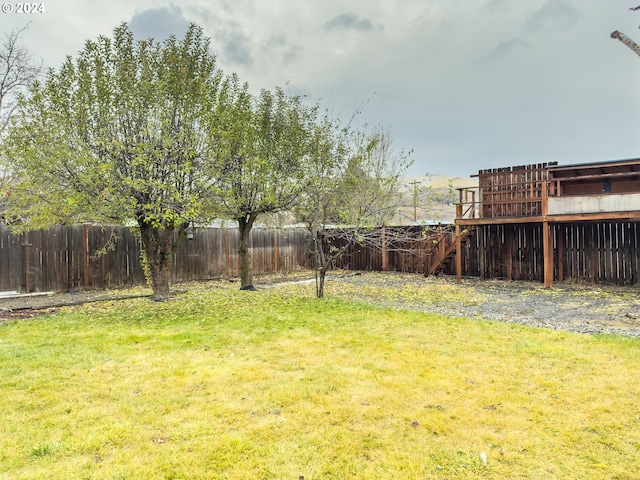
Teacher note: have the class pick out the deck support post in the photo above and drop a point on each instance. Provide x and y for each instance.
(547, 243)
(560, 229)
(547, 253)
(481, 256)
(458, 255)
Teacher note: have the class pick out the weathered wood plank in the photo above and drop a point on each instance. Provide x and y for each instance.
(603, 252)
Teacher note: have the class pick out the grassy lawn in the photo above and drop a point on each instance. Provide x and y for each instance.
(275, 384)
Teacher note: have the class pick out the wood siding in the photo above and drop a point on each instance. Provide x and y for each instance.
(626, 202)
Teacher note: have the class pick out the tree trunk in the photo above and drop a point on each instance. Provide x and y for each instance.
(321, 264)
(320, 275)
(244, 251)
(157, 245)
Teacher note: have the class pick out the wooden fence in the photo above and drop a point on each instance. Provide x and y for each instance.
(65, 257)
(410, 249)
(606, 252)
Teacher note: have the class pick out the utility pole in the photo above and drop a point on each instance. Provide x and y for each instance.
(415, 200)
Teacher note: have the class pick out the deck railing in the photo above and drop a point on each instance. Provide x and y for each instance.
(506, 192)
(468, 202)
(474, 202)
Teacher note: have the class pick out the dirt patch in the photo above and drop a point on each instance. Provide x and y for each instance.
(9, 315)
(26, 307)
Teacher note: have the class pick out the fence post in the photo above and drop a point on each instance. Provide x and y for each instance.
(227, 252)
(385, 253)
(27, 262)
(560, 235)
(276, 251)
(547, 254)
(481, 244)
(85, 255)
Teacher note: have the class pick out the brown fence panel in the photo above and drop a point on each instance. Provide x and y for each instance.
(591, 252)
(80, 256)
(294, 250)
(67, 257)
(409, 250)
(12, 263)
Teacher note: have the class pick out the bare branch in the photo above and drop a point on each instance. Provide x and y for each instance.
(18, 71)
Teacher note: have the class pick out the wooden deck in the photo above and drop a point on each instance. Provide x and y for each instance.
(547, 192)
(556, 201)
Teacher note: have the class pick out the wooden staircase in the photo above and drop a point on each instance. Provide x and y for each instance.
(444, 251)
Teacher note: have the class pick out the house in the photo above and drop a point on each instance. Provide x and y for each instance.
(549, 223)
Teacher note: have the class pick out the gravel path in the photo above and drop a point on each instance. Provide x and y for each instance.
(581, 308)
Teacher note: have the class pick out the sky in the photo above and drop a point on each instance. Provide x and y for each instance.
(463, 85)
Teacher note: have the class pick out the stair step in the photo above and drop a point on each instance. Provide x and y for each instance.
(439, 266)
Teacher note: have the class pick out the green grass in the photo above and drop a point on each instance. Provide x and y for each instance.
(275, 384)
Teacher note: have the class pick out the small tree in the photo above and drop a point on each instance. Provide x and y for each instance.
(260, 144)
(118, 135)
(352, 187)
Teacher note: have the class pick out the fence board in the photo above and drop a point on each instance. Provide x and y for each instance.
(603, 252)
(63, 257)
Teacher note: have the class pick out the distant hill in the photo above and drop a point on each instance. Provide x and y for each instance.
(436, 201)
(434, 197)
(438, 181)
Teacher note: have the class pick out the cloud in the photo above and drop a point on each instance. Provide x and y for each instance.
(350, 21)
(505, 48)
(554, 15)
(237, 48)
(159, 23)
(205, 16)
(495, 5)
(278, 45)
(235, 45)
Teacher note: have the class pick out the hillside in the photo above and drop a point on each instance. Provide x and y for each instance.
(435, 202)
(434, 197)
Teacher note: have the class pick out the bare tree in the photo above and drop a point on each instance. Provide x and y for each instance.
(351, 189)
(18, 71)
